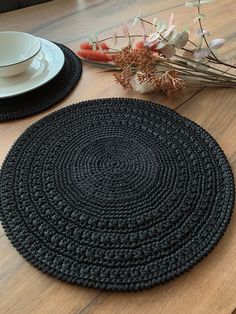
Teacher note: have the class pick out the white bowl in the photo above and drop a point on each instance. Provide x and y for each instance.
(17, 51)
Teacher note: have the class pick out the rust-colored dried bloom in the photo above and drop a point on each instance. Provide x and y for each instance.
(124, 58)
(139, 61)
(170, 83)
(142, 64)
(123, 78)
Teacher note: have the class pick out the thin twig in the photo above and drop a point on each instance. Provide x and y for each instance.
(204, 37)
(208, 66)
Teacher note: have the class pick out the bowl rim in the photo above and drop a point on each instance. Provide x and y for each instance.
(26, 59)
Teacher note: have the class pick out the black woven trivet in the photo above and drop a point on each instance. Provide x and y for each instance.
(116, 194)
(47, 95)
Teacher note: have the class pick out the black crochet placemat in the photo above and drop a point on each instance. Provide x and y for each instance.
(47, 95)
(116, 194)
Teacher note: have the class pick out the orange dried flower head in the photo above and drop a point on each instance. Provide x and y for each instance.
(134, 57)
(123, 78)
(170, 83)
(140, 62)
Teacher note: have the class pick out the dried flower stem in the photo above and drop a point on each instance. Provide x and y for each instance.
(118, 36)
(207, 66)
(208, 73)
(207, 77)
(206, 42)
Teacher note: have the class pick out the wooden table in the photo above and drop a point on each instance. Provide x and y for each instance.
(210, 287)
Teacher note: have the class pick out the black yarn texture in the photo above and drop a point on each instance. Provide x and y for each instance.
(116, 194)
(47, 95)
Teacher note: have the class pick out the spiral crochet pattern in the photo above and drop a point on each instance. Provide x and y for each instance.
(47, 95)
(116, 194)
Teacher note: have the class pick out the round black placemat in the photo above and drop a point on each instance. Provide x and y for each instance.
(47, 95)
(116, 194)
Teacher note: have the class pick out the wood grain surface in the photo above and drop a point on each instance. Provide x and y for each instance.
(210, 287)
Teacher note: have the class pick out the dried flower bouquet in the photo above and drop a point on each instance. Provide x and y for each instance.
(161, 60)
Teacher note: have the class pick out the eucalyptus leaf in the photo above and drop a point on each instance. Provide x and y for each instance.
(154, 21)
(203, 32)
(206, 1)
(179, 39)
(136, 20)
(193, 4)
(199, 17)
(172, 35)
(161, 26)
(153, 37)
(162, 44)
(169, 32)
(168, 51)
(217, 43)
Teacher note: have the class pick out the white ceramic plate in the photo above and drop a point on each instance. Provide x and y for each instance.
(46, 65)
